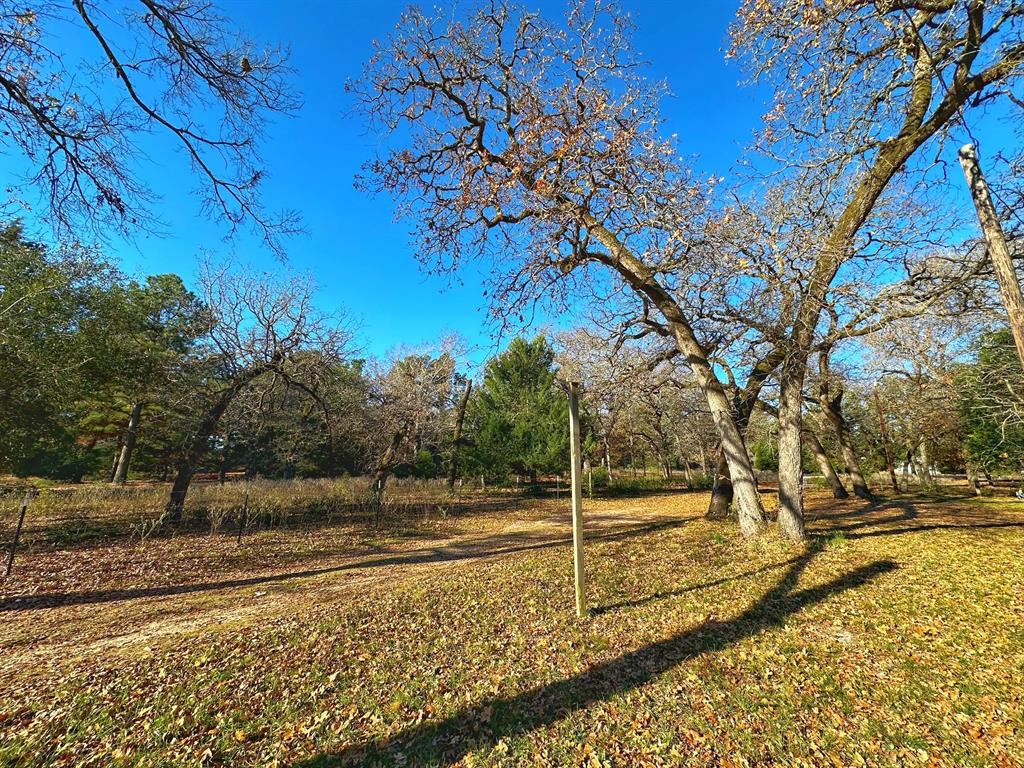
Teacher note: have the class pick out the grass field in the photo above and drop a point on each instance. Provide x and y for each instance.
(896, 637)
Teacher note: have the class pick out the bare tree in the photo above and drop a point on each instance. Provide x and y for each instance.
(539, 146)
(409, 399)
(262, 328)
(864, 86)
(172, 67)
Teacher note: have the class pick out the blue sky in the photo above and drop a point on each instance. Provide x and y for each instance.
(359, 255)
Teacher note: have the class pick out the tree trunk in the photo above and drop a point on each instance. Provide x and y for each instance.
(838, 489)
(721, 491)
(460, 418)
(791, 473)
(179, 489)
(608, 459)
(685, 461)
(972, 480)
(117, 459)
(385, 466)
(998, 252)
(832, 407)
(884, 429)
(926, 463)
(124, 463)
(741, 471)
(920, 462)
(197, 446)
(640, 278)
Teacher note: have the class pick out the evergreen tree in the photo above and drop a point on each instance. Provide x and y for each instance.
(518, 418)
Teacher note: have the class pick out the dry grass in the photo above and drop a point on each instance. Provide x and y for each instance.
(894, 638)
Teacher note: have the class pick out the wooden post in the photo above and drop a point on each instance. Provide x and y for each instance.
(17, 533)
(577, 499)
(885, 442)
(998, 251)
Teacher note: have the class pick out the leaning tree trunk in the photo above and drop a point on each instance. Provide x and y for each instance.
(642, 279)
(972, 480)
(832, 407)
(186, 465)
(460, 419)
(791, 472)
(124, 462)
(849, 454)
(812, 442)
(830, 398)
(884, 430)
(998, 251)
(743, 407)
(741, 471)
(387, 463)
(179, 489)
(117, 458)
(926, 463)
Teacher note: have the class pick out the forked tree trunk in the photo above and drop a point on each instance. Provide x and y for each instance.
(125, 460)
(815, 446)
(832, 406)
(386, 465)
(791, 472)
(608, 460)
(460, 418)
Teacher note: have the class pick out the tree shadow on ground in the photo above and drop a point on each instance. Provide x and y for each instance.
(692, 588)
(929, 512)
(491, 546)
(480, 727)
(892, 512)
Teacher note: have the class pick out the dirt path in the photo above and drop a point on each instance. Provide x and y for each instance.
(48, 631)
